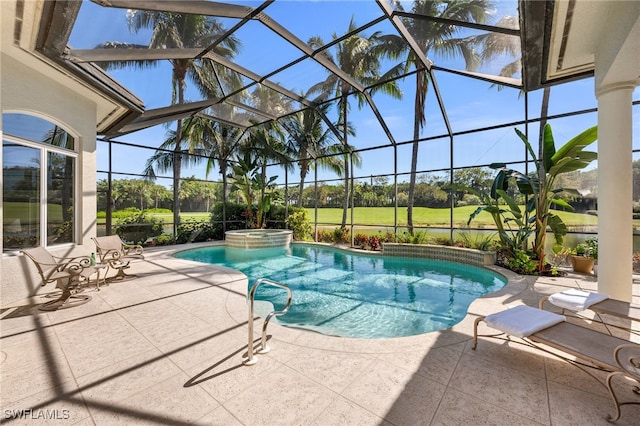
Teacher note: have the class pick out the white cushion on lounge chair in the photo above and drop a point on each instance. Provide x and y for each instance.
(522, 320)
(576, 300)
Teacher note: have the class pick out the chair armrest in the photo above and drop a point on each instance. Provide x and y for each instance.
(74, 263)
(132, 249)
(73, 266)
(109, 255)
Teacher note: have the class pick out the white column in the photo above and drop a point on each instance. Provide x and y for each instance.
(615, 180)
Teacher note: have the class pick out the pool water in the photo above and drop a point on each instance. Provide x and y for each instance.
(341, 293)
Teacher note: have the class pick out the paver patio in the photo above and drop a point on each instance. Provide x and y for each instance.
(167, 347)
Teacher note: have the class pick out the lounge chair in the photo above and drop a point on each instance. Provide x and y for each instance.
(628, 359)
(67, 273)
(599, 350)
(576, 300)
(117, 254)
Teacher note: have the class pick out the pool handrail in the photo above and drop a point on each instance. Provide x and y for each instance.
(250, 360)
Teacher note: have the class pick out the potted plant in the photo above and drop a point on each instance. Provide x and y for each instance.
(585, 255)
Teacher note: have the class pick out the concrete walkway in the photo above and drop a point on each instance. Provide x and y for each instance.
(167, 348)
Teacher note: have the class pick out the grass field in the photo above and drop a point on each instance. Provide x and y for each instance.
(422, 216)
(384, 216)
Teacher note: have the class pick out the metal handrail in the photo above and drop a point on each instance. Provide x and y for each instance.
(263, 343)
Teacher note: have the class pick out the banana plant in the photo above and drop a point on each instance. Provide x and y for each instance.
(254, 186)
(265, 187)
(541, 188)
(504, 215)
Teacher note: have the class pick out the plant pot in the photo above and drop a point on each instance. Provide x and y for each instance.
(582, 264)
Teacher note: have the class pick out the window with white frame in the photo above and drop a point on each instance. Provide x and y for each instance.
(38, 183)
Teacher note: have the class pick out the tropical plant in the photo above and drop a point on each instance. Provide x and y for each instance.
(436, 36)
(181, 30)
(267, 143)
(360, 58)
(511, 222)
(478, 241)
(543, 193)
(254, 186)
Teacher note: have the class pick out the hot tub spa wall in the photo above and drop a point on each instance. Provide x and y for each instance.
(251, 239)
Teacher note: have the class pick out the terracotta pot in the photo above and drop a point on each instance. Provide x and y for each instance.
(582, 264)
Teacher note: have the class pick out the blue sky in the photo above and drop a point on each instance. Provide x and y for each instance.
(469, 103)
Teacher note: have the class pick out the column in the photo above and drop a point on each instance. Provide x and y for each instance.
(615, 179)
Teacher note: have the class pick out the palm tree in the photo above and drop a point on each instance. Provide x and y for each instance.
(436, 37)
(501, 45)
(181, 30)
(215, 142)
(360, 58)
(309, 140)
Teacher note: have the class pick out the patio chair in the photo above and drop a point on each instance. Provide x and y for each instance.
(67, 273)
(117, 254)
(598, 350)
(628, 359)
(576, 300)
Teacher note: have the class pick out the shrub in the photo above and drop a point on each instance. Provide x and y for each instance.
(236, 218)
(193, 231)
(163, 240)
(359, 240)
(340, 235)
(298, 222)
(522, 263)
(125, 213)
(419, 237)
(137, 227)
(325, 236)
(373, 242)
(388, 237)
(276, 216)
(158, 211)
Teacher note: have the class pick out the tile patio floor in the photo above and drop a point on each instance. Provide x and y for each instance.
(166, 348)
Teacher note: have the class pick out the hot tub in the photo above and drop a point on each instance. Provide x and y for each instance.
(258, 238)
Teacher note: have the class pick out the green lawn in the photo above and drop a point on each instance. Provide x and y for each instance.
(425, 216)
(422, 217)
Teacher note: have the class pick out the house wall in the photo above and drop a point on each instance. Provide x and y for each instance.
(38, 91)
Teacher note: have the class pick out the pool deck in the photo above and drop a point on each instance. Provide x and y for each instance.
(167, 347)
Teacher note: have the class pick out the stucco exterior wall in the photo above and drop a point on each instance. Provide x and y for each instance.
(29, 90)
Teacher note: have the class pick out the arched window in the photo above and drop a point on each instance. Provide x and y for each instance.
(38, 183)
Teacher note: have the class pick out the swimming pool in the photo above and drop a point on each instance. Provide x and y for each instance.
(341, 293)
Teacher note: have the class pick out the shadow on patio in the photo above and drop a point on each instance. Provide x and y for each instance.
(167, 348)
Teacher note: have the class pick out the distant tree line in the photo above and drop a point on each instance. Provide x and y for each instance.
(431, 191)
